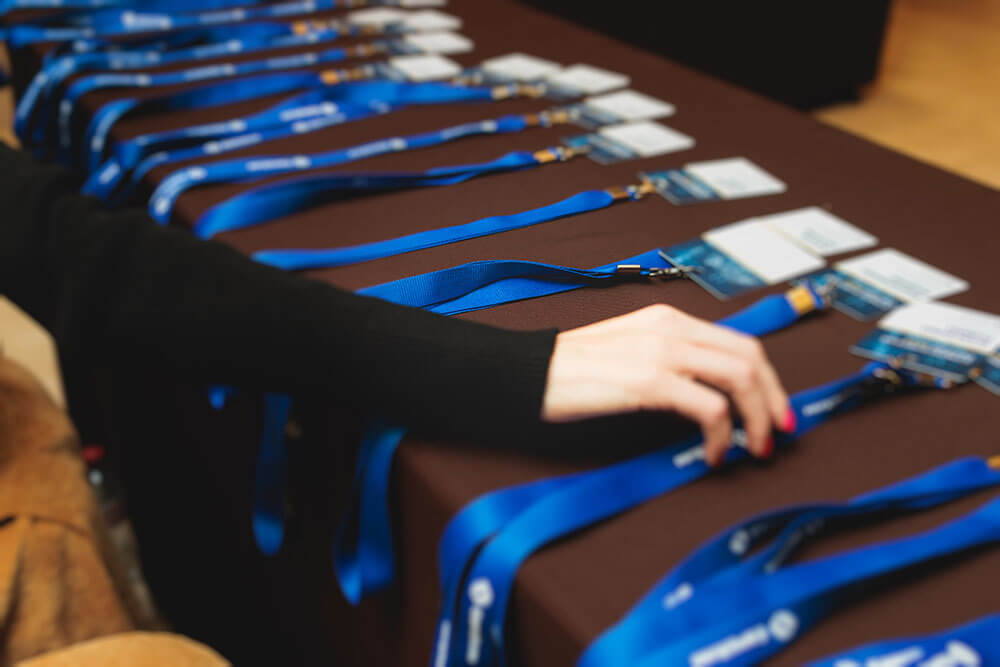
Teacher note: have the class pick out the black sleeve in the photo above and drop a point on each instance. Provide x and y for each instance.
(118, 289)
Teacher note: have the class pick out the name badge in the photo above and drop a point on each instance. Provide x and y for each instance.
(945, 340)
(377, 17)
(427, 67)
(579, 80)
(873, 284)
(513, 68)
(736, 258)
(429, 20)
(630, 141)
(730, 178)
(624, 106)
(442, 43)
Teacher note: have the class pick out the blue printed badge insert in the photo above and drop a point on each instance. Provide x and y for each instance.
(949, 341)
(920, 354)
(601, 149)
(989, 374)
(680, 187)
(851, 296)
(718, 273)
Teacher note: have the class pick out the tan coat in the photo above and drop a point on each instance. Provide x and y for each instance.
(62, 600)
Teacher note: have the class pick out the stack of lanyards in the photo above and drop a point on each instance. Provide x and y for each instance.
(161, 58)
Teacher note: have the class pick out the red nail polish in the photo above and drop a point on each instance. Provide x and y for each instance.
(791, 423)
(768, 449)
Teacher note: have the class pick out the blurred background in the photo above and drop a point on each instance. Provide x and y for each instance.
(919, 76)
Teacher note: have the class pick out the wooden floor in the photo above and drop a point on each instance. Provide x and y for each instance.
(938, 95)
(937, 98)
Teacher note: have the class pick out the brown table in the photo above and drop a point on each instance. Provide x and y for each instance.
(570, 592)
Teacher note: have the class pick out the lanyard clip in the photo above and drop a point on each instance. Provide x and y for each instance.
(631, 191)
(666, 273)
(550, 117)
(508, 90)
(559, 153)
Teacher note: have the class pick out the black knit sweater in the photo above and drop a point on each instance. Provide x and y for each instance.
(116, 289)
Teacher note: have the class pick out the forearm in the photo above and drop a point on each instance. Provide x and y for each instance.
(119, 289)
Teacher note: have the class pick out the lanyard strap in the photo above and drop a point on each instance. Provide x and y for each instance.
(594, 497)
(359, 85)
(590, 200)
(105, 23)
(269, 202)
(269, 488)
(299, 114)
(726, 557)
(241, 169)
(765, 613)
(974, 644)
(36, 102)
(199, 97)
(146, 81)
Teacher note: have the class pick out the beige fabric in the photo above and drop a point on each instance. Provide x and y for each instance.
(59, 583)
(25, 341)
(133, 649)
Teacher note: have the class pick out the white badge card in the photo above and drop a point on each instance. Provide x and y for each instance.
(442, 43)
(819, 231)
(948, 341)
(630, 141)
(735, 178)
(733, 259)
(429, 67)
(579, 80)
(378, 17)
(871, 285)
(624, 106)
(416, 4)
(430, 20)
(516, 68)
(730, 178)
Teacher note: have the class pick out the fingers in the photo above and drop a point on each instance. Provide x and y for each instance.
(702, 405)
(741, 379)
(745, 347)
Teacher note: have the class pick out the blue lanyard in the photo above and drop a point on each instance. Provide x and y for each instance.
(478, 637)
(36, 102)
(583, 202)
(240, 169)
(199, 97)
(269, 488)
(269, 202)
(114, 22)
(305, 112)
(358, 85)
(969, 645)
(478, 285)
(724, 559)
(766, 612)
(8, 6)
(215, 71)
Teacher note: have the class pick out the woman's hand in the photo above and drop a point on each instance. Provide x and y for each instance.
(660, 358)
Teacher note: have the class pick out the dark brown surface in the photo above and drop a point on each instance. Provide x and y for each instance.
(569, 593)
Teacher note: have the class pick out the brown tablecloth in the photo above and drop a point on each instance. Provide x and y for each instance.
(570, 592)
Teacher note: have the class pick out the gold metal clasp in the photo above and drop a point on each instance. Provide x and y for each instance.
(994, 462)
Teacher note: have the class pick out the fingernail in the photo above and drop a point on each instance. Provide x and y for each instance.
(768, 450)
(791, 422)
